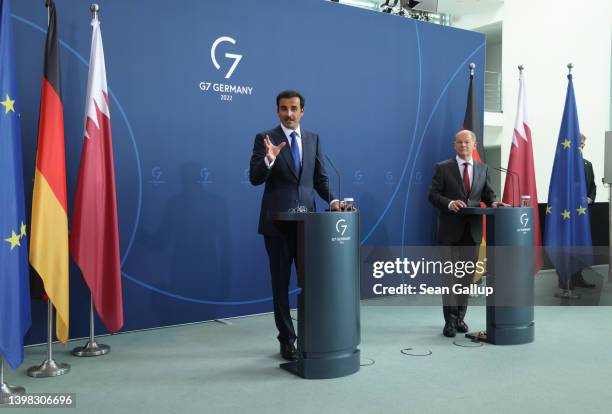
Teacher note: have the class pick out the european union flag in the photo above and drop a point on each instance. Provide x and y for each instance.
(14, 277)
(568, 229)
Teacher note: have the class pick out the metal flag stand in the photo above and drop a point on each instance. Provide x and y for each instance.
(49, 368)
(91, 348)
(6, 391)
(566, 293)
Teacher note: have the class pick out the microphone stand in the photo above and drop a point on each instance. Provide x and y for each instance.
(518, 182)
(328, 184)
(338, 175)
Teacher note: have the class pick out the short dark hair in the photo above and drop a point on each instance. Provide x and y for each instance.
(288, 94)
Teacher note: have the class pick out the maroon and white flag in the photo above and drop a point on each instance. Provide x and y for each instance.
(521, 164)
(94, 234)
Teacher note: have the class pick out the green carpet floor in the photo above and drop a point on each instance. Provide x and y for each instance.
(215, 368)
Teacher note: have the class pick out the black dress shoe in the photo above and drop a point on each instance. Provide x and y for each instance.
(449, 330)
(462, 327)
(583, 283)
(288, 352)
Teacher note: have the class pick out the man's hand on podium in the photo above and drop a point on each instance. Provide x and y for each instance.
(338, 205)
(455, 205)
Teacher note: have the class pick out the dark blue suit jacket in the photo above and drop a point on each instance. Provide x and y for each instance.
(447, 185)
(284, 188)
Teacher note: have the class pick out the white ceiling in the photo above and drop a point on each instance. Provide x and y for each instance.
(456, 9)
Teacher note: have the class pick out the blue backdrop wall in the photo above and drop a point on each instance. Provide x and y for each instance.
(385, 93)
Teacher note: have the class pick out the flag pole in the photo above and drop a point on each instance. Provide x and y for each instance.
(91, 348)
(94, 8)
(49, 368)
(7, 391)
(567, 292)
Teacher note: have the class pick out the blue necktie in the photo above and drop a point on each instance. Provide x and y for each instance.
(297, 162)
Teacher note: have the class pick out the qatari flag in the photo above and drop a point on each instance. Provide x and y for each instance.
(94, 235)
(521, 164)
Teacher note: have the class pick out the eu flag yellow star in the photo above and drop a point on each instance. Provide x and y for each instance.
(566, 215)
(566, 144)
(548, 210)
(9, 104)
(13, 240)
(581, 210)
(22, 231)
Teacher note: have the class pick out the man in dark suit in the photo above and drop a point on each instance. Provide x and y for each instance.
(288, 160)
(458, 183)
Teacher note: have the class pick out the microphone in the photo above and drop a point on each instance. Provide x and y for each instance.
(518, 182)
(501, 169)
(338, 175)
(328, 184)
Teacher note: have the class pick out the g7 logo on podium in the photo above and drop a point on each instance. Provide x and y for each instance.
(213, 55)
(341, 226)
(525, 229)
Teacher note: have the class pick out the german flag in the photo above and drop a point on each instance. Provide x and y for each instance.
(472, 122)
(49, 229)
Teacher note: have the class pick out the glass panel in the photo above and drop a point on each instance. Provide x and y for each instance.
(493, 92)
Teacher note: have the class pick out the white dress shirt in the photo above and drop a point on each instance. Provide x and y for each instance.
(298, 139)
(460, 162)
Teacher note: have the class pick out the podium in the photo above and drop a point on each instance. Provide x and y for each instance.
(328, 304)
(510, 272)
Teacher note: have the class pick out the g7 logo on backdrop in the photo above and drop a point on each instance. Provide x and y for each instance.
(235, 57)
(156, 173)
(225, 91)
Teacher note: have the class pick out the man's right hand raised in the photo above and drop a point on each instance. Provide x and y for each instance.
(272, 150)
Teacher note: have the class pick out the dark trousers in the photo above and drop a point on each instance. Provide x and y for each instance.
(282, 253)
(454, 306)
